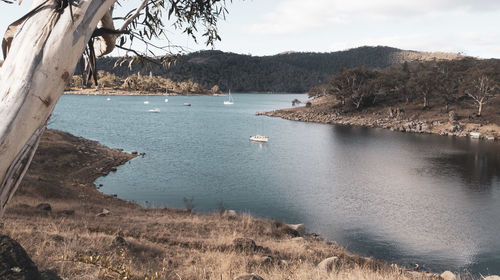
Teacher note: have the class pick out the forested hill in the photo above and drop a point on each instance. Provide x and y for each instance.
(287, 72)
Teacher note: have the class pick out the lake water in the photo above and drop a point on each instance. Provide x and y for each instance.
(405, 198)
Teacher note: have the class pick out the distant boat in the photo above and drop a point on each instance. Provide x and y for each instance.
(187, 104)
(259, 138)
(155, 110)
(146, 102)
(230, 101)
(166, 100)
(108, 99)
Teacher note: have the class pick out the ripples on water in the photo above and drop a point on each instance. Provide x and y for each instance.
(407, 198)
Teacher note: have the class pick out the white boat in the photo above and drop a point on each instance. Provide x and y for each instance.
(166, 100)
(155, 110)
(146, 102)
(187, 104)
(108, 99)
(259, 138)
(230, 101)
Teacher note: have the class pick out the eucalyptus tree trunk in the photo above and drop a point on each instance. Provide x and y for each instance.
(40, 62)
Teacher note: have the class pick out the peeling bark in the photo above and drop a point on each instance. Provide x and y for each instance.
(47, 47)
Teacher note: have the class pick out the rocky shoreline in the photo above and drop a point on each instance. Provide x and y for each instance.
(388, 118)
(112, 91)
(70, 229)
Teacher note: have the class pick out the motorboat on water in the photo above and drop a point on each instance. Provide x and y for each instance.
(108, 99)
(146, 102)
(166, 100)
(259, 138)
(187, 104)
(155, 110)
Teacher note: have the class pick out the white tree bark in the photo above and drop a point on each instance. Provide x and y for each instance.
(40, 62)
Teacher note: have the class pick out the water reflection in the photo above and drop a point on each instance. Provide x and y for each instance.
(477, 165)
(406, 198)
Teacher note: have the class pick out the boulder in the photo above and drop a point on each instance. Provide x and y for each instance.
(283, 263)
(244, 244)
(265, 260)
(492, 277)
(14, 262)
(300, 228)
(475, 135)
(229, 214)
(448, 275)
(249, 276)
(454, 128)
(328, 265)
(104, 213)
(44, 207)
(452, 117)
(298, 239)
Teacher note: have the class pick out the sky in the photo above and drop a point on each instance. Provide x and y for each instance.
(267, 27)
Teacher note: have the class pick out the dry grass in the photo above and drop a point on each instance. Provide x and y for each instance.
(173, 244)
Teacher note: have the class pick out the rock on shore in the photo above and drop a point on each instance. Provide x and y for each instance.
(395, 119)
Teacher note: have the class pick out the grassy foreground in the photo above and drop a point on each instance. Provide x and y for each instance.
(79, 240)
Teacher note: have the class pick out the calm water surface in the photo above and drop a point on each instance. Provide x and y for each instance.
(405, 198)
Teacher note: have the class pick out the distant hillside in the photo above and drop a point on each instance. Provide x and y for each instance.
(286, 72)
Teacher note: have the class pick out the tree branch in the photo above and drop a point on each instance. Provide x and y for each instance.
(135, 15)
(139, 55)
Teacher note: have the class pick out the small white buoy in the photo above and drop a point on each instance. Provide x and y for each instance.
(475, 135)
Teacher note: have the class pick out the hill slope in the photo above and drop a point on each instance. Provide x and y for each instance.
(288, 72)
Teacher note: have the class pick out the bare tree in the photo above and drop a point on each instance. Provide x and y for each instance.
(317, 91)
(42, 48)
(481, 89)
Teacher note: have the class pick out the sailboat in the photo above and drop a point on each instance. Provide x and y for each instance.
(230, 101)
(259, 138)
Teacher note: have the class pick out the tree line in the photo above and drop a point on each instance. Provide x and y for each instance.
(432, 83)
(145, 83)
(286, 72)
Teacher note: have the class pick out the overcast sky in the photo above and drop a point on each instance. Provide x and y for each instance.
(264, 27)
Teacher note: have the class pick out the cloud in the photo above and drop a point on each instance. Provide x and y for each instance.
(299, 16)
(295, 17)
